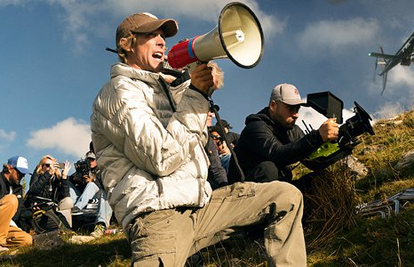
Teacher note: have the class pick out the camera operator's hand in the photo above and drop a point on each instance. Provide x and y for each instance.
(329, 130)
(87, 179)
(65, 170)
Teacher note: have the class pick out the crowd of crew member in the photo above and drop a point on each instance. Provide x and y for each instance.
(152, 145)
(50, 182)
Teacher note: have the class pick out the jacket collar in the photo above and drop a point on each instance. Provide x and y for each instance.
(143, 75)
(263, 115)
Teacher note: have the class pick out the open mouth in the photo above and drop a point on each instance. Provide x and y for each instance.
(158, 55)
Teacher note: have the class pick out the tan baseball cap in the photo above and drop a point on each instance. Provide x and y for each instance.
(143, 23)
(288, 94)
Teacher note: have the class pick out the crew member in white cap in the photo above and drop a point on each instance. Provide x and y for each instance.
(149, 136)
(271, 140)
(11, 201)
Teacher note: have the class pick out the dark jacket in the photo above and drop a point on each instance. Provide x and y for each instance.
(16, 190)
(48, 186)
(263, 140)
(217, 176)
(232, 138)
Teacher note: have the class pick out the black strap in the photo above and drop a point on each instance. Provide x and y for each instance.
(214, 109)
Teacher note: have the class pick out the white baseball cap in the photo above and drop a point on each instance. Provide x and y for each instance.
(19, 163)
(288, 94)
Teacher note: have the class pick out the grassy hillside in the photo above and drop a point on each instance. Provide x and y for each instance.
(374, 241)
(336, 235)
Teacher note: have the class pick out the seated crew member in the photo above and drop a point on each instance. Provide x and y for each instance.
(271, 140)
(11, 202)
(90, 187)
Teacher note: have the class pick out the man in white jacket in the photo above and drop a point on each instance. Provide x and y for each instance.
(149, 138)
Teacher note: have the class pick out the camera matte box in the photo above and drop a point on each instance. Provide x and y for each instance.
(327, 104)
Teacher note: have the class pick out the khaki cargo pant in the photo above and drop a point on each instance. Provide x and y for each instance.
(11, 236)
(169, 237)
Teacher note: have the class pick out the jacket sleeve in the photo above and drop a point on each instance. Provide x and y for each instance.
(65, 188)
(39, 184)
(217, 175)
(267, 145)
(136, 129)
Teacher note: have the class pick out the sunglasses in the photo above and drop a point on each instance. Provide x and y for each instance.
(47, 165)
(19, 173)
(215, 137)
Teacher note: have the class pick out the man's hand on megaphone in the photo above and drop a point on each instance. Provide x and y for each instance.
(203, 79)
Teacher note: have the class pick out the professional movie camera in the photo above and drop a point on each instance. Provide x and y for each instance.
(330, 152)
(82, 167)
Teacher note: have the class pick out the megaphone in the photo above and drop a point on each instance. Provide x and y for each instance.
(238, 36)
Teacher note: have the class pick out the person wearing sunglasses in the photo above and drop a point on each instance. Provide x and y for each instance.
(11, 196)
(50, 180)
(222, 148)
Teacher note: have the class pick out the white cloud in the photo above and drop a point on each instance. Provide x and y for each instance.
(314, 119)
(311, 118)
(398, 95)
(4, 3)
(5, 136)
(85, 18)
(70, 137)
(334, 35)
(401, 76)
(388, 111)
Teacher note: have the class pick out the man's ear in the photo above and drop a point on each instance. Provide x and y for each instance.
(272, 105)
(125, 45)
(6, 168)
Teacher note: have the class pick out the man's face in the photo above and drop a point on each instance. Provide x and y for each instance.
(15, 176)
(283, 114)
(216, 137)
(148, 53)
(92, 163)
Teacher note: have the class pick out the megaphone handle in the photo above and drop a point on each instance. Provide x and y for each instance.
(190, 67)
(233, 154)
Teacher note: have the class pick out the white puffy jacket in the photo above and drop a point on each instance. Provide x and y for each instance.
(151, 156)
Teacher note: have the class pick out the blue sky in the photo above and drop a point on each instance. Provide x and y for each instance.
(53, 62)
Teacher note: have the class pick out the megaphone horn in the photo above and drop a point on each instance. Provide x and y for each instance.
(238, 36)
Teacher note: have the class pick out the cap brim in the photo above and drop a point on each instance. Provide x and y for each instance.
(169, 26)
(22, 170)
(294, 102)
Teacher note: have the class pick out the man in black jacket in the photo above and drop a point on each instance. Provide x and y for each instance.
(231, 137)
(271, 140)
(11, 196)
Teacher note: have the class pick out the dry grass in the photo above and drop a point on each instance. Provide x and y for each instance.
(335, 235)
(330, 205)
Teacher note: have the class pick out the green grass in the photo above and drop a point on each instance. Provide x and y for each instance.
(106, 251)
(335, 234)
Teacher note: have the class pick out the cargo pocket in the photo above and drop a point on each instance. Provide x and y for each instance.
(150, 243)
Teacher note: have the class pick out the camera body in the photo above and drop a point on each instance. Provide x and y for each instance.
(331, 152)
(82, 167)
